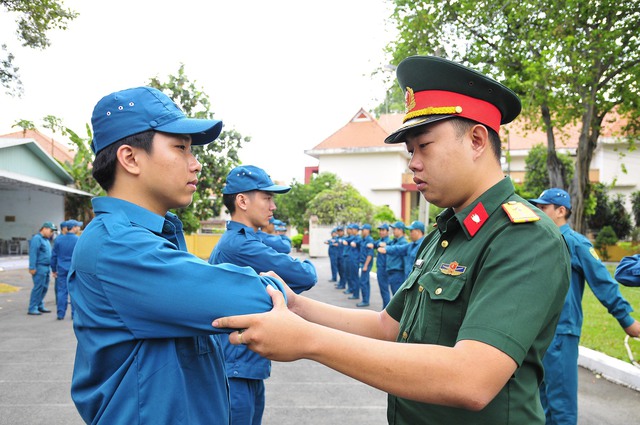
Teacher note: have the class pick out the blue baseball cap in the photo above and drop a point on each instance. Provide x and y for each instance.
(366, 226)
(353, 226)
(48, 225)
(73, 223)
(65, 224)
(416, 225)
(555, 196)
(281, 228)
(384, 226)
(246, 178)
(132, 111)
(398, 225)
(340, 229)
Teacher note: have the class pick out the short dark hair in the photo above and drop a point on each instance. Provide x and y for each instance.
(229, 202)
(568, 211)
(462, 125)
(104, 165)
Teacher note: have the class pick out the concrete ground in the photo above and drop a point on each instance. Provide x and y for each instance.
(37, 353)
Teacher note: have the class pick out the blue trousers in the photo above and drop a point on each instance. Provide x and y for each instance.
(354, 278)
(247, 401)
(365, 284)
(342, 272)
(62, 294)
(333, 260)
(385, 288)
(559, 389)
(396, 279)
(39, 291)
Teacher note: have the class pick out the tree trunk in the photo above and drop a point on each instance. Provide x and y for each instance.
(555, 167)
(587, 144)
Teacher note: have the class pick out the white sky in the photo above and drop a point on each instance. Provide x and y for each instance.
(287, 73)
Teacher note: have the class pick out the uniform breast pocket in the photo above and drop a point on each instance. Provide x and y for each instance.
(444, 307)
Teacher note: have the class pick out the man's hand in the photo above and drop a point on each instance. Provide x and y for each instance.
(382, 250)
(633, 330)
(32, 272)
(277, 335)
(54, 274)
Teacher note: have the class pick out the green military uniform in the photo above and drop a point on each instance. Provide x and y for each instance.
(495, 273)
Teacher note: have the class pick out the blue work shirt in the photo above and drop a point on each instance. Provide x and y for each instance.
(586, 265)
(396, 253)
(365, 251)
(241, 245)
(39, 253)
(275, 242)
(63, 247)
(628, 271)
(381, 259)
(143, 308)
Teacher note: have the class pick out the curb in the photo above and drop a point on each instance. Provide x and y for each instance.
(610, 368)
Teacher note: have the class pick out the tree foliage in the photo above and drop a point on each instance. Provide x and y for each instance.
(571, 62)
(340, 204)
(34, 19)
(607, 236)
(609, 212)
(536, 175)
(217, 158)
(635, 206)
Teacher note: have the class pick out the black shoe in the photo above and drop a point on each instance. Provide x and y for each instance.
(347, 292)
(332, 280)
(339, 287)
(44, 310)
(353, 297)
(60, 318)
(362, 304)
(34, 313)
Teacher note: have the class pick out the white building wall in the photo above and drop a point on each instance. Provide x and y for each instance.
(30, 208)
(377, 176)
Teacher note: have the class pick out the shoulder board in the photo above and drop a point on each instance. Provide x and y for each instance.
(519, 212)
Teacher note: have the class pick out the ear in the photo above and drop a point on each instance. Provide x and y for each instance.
(479, 140)
(128, 160)
(242, 201)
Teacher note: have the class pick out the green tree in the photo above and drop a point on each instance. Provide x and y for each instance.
(607, 236)
(635, 206)
(536, 175)
(217, 158)
(340, 204)
(291, 207)
(34, 18)
(571, 61)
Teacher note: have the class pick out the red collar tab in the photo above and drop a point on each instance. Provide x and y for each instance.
(440, 102)
(476, 219)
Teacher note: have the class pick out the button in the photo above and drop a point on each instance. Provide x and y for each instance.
(420, 289)
(444, 244)
(438, 291)
(405, 335)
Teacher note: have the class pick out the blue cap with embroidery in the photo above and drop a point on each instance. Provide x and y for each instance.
(555, 196)
(353, 226)
(366, 226)
(132, 111)
(416, 225)
(398, 225)
(246, 178)
(384, 226)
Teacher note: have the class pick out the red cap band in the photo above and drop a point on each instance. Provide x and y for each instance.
(439, 102)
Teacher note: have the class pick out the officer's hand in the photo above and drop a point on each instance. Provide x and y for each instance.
(633, 330)
(382, 250)
(277, 335)
(345, 243)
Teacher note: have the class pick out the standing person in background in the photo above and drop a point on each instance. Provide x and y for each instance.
(268, 235)
(281, 231)
(365, 262)
(248, 196)
(381, 264)
(462, 341)
(39, 266)
(416, 234)
(61, 262)
(628, 271)
(333, 254)
(559, 390)
(395, 256)
(354, 258)
(340, 260)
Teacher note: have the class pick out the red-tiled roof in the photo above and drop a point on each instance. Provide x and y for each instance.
(58, 150)
(362, 131)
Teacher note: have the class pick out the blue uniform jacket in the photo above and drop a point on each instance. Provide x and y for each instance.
(365, 251)
(628, 271)
(241, 246)
(381, 259)
(396, 253)
(585, 265)
(275, 242)
(63, 247)
(39, 253)
(143, 312)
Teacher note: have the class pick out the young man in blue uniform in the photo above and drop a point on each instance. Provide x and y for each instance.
(39, 267)
(628, 271)
(559, 390)
(249, 197)
(141, 301)
(381, 264)
(332, 251)
(350, 256)
(268, 235)
(365, 262)
(340, 260)
(476, 315)
(396, 253)
(61, 262)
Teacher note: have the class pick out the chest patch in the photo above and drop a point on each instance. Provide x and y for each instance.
(452, 269)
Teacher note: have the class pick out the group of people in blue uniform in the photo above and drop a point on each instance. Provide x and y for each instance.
(352, 258)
